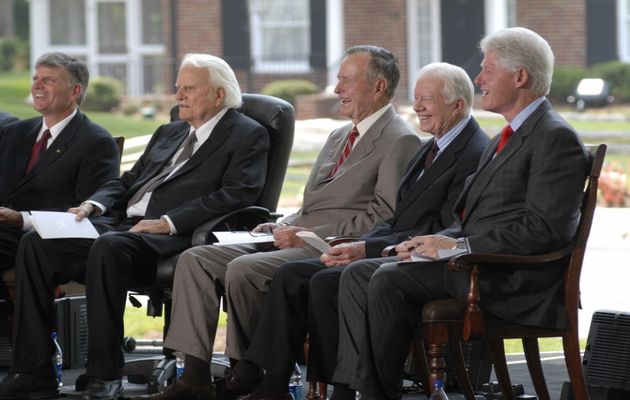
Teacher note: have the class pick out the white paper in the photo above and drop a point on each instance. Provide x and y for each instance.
(443, 254)
(241, 237)
(314, 240)
(62, 225)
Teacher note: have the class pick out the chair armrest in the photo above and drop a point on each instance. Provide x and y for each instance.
(244, 218)
(464, 261)
(335, 240)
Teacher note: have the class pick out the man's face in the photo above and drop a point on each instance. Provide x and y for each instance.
(198, 101)
(497, 84)
(358, 97)
(53, 94)
(434, 115)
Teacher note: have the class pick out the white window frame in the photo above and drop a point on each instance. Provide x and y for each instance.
(280, 67)
(435, 51)
(623, 22)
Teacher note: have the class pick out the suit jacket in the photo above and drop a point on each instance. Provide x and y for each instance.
(82, 158)
(524, 201)
(226, 173)
(6, 118)
(363, 191)
(425, 205)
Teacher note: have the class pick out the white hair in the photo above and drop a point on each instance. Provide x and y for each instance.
(221, 76)
(457, 83)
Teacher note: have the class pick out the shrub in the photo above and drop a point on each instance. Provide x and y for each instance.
(13, 53)
(103, 94)
(565, 80)
(618, 74)
(288, 89)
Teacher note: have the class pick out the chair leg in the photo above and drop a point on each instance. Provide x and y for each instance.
(312, 391)
(571, 346)
(437, 365)
(532, 354)
(459, 366)
(500, 368)
(323, 390)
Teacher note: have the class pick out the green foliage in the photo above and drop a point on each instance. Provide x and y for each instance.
(565, 80)
(618, 74)
(288, 89)
(103, 94)
(13, 53)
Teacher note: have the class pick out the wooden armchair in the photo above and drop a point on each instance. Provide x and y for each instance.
(449, 321)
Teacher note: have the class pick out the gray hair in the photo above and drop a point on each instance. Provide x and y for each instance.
(520, 47)
(383, 65)
(457, 83)
(221, 76)
(76, 69)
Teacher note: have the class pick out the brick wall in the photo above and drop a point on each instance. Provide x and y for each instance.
(381, 23)
(562, 23)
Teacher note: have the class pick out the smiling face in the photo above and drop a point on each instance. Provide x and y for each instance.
(198, 101)
(53, 94)
(499, 86)
(435, 116)
(359, 98)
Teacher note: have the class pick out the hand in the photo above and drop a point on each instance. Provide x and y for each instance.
(344, 254)
(83, 211)
(425, 245)
(151, 226)
(9, 217)
(285, 237)
(267, 227)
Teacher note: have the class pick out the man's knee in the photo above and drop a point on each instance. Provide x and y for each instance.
(381, 280)
(239, 270)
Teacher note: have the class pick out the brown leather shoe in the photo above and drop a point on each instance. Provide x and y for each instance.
(180, 390)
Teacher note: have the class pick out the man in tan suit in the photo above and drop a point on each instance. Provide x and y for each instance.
(352, 186)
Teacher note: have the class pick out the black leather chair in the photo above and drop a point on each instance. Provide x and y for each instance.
(277, 116)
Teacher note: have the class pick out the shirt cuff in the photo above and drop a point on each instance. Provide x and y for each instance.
(170, 224)
(27, 223)
(101, 208)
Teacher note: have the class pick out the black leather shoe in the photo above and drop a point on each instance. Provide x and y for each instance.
(180, 390)
(23, 386)
(254, 396)
(233, 386)
(102, 389)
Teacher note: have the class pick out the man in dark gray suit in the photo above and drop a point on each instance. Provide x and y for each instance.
(524, 198)
(303, 294)
(211, 162)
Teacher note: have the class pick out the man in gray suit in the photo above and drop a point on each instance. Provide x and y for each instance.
(524, 198)
(352, 187)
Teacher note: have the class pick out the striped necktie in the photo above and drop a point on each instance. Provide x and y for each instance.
(352, 137)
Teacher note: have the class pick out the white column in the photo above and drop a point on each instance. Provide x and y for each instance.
(496, 15)
(334, 38)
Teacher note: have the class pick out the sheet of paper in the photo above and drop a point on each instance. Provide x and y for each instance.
(241, 237)
(314, 240)
(62, 225)
(443, 254)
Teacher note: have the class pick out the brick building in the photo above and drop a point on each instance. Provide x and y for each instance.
(142, 41)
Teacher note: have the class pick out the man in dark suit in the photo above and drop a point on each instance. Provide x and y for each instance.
(6, 118)
(303, 294)
(76, 157)
(524, 198)
(211, 162)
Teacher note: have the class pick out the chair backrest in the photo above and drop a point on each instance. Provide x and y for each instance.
(278, 117)
(120, 142)
(589, 201)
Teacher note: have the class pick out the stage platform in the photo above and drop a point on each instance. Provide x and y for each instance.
(553, 365)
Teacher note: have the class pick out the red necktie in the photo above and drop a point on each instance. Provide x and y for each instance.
(506, 133)
(38, 148)
(352, 136)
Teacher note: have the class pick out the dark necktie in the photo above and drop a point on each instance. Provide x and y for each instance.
(186, 153)
(352, 137)
(506, 133)
(431, 155)
(38, 148)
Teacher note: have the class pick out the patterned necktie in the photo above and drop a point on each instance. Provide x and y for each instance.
(186, 153)
(506, 133)
(352, 137)
(38, 148)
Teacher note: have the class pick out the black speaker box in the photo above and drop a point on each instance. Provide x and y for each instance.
(607, 356)
(72, 330)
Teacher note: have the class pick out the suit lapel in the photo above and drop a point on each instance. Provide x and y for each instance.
(334, 151)
(490, 166)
